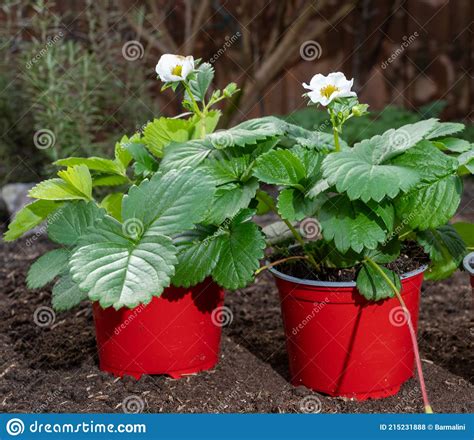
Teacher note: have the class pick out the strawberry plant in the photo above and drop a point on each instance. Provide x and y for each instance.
(121, 249)
(403, 185)
(168, 223)
(372, 201)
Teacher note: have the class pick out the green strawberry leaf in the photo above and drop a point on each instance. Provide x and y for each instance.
(46, 268)
(169, 203)
(191, 153)
(428, 162)
(74, 221)
(446, 249)
(161, 132)
(201, 81)
(366, 172)
(280, 167)
(240, 253)
(122, 272)
(209, 122)
(122, 155)
(313, 140)
(351, 224)
(100, 164)
(227, 167)
(356, 173)
(145, 164)
(56, 189)
(79, 177)
(75, 183)
(66, 294)
(198, 254)
(466, 163)
(395, 141)
(230, 199)
(466, 232)
(109, 180)
(373, 286)
(453, 144)
(293, 205)
(247, 133)
(29, 217)
(444, 129)
(431, 204)
(385, 253)
(112, 203)
(127, 264)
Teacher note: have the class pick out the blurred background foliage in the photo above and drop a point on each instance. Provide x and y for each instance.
(63, 67)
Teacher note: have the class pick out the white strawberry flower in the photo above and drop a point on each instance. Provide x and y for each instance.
(323, 89)
(171, 68)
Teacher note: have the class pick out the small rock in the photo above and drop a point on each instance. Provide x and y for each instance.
(301, 391)
(15, 196)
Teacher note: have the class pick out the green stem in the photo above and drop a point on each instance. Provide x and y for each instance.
(405, 234)
(275, 263)
(200, 113)
(191, 96)
(211, 103)
(337, 145)
(428, 409)
(293, 230)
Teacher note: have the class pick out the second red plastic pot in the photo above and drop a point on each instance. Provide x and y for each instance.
(343, 345)
(469, 266)
(176, 334)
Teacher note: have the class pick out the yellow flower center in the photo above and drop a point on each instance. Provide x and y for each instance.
(328, 90)
(177, 70)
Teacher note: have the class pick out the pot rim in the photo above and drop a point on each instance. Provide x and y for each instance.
(306, 282)
(468, 263)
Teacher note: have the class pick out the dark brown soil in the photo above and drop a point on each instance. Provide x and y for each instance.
(54, 369)
(411, 258)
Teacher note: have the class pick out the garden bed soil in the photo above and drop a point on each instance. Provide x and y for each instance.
(411, 257)
(54, 369)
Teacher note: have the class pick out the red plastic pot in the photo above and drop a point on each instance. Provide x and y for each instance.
(468, 263)
(176, 334)
(341, 344)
